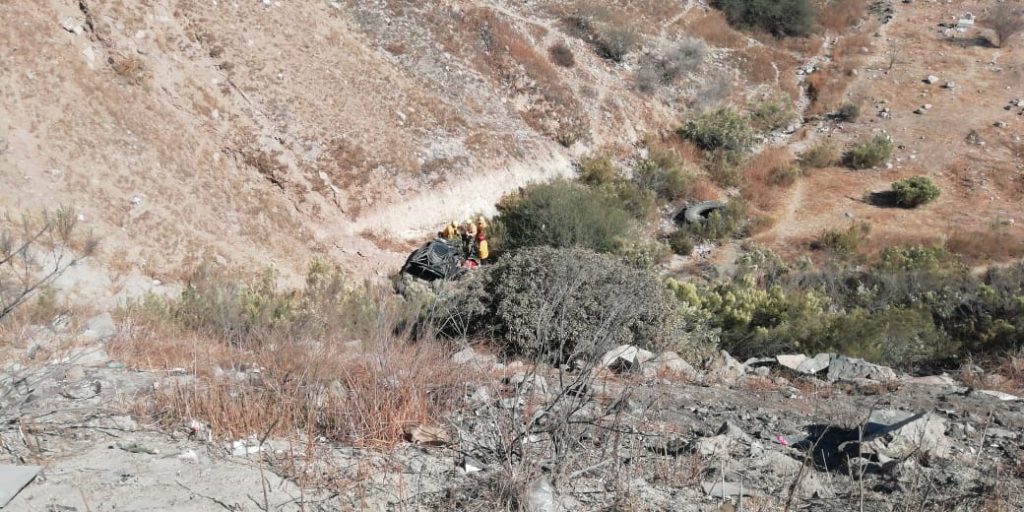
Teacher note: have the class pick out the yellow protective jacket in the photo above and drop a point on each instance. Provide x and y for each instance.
(483, 250)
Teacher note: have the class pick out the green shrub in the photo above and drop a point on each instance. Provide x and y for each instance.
(664, 172)
(243, 310)
(869, 153)
(563, 214)
(847, 112)
(722, 129)
(918, 258)
(842, 243)
(772, 114)
(681, 242)
(915, 191)
(640, 203)
(896, 337)
(597, 170)
(824, 153)
(644, 253)
(780, 17)
(555, 305)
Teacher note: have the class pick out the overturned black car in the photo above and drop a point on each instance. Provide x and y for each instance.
(436, 259)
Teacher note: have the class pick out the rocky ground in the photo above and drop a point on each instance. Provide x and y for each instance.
(630, 432)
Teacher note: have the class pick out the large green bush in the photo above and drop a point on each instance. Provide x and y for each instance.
(915, 191)
(722, 129)
(564, 214)
(555, 305)
(869, 153)
(780, 17)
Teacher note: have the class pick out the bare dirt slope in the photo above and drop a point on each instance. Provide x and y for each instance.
(969, 139)
(266, 132)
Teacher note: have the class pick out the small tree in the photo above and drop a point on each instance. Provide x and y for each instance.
(915, 191)
(1006, 21)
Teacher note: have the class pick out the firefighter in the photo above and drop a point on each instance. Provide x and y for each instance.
(481, 226)
(469, 232)
(483, 250)
(451, 231)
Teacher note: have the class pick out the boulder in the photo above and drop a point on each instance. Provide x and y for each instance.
(625, 358)
(896, 434)
(931, 79)
(725, 368)
(803, 364)
(850, 368)
(672, 362)
(99, 328)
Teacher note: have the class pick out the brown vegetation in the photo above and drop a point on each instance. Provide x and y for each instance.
(993, 245)
(365, 393)
(766, 175)
(840, 15)
(715, 29)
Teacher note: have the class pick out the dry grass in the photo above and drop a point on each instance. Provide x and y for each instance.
(850, 52)
(760, 65)
(255, 361)
(367, 395)
(994, 245)
(507, 56)
(1002, 373)
(705, 190)
(840, 15)
(716, 31)
(128, 67)
(767, 175)
(827, 90)
(388, 242)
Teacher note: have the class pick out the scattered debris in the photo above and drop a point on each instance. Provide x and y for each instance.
(136, 448)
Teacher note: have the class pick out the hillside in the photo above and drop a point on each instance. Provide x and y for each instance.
(207, 204)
